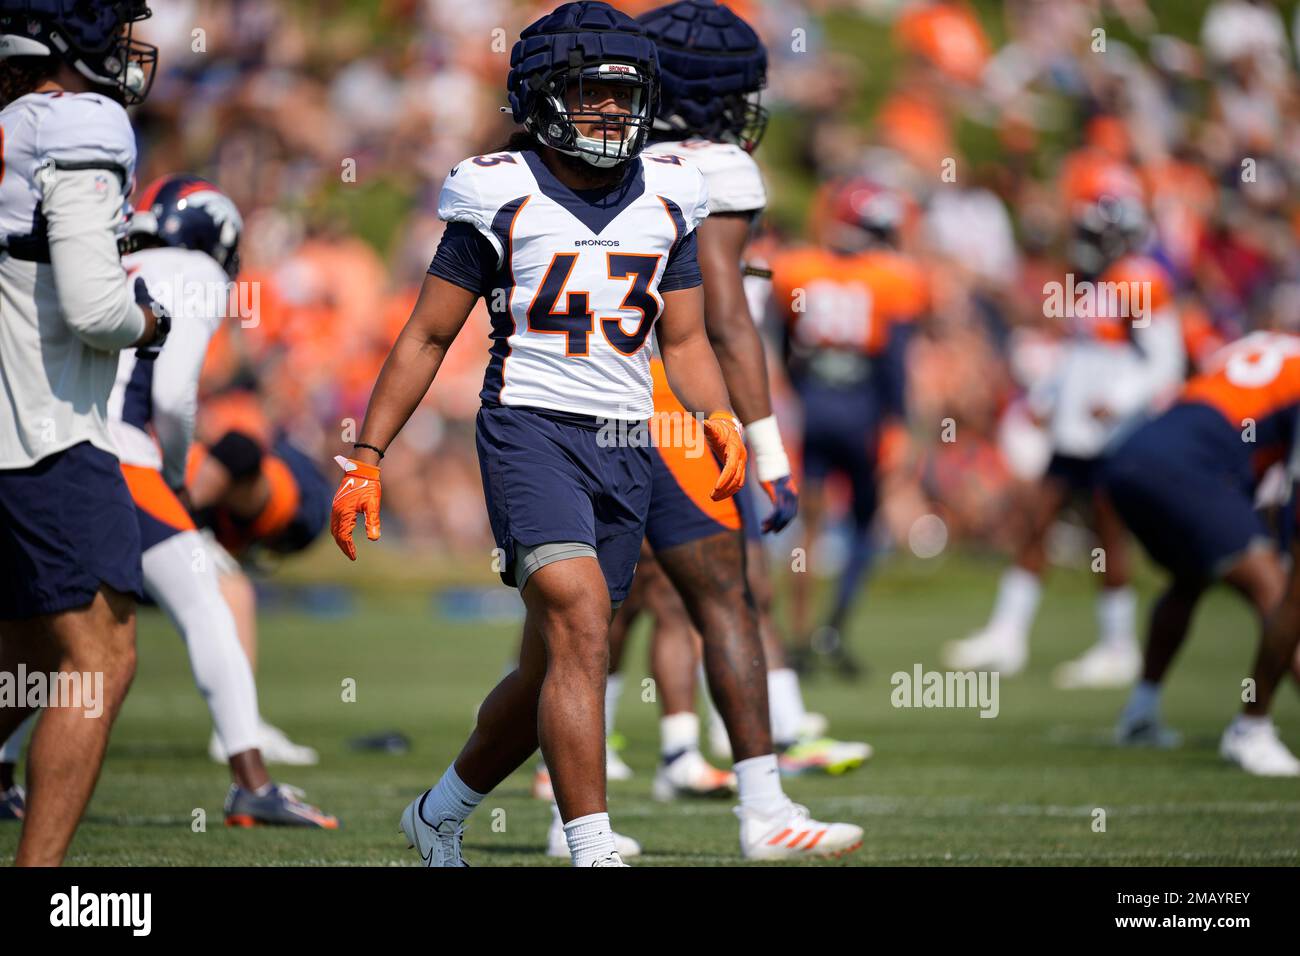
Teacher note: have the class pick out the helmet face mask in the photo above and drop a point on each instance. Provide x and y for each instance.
(94, 37)
(568, 104)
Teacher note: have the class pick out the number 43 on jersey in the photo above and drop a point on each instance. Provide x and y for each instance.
(576, 321)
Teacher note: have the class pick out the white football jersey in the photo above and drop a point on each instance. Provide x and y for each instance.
(67, 162)
(731, 175)
(576, 293)
(152, 408)
(1126, 381)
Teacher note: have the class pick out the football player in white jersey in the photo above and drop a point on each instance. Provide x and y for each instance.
(1123, 360)
(185, 240)
(69, 547)
(714, 67)
(581, 250)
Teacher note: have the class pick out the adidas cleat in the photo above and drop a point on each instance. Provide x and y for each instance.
(277, 806)
(792, 834)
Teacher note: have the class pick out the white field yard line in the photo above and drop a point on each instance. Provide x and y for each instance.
(951, 806)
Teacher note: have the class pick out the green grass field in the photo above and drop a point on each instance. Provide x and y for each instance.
(946, 787)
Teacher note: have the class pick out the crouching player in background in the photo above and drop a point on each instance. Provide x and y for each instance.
(187, 235)
(1185, 485)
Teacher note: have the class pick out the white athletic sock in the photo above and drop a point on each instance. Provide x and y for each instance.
(678, 732)
(1117, 616)
(1017, 603)
(590, 838)
(181, 575)
(12, 750)
(1249, 722)
(613, 691)
(786, 705)
(451, 798)
(759, 782)
(1144, 701)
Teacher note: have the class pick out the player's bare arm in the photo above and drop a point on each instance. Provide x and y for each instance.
(735, 339)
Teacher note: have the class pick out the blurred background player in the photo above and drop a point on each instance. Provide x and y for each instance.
(847, 308)
(1185, 484)
(1124, 358)
(69, 548)
(185, 240)
(568, 508)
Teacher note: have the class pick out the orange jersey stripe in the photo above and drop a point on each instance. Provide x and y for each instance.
(696, 473)
(283, 502)
(152, 496)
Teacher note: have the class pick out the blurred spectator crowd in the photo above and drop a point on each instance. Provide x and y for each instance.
(333, 123)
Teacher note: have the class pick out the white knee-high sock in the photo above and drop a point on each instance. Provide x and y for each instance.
(1117, 616)
(1017, 603)
(786, 704)
(12, 749)
(181, 575)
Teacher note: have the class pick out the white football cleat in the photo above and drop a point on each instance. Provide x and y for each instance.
(615, 768)
(437, 846)
(1105, 664)
(542, 787)
(988, 650)
(611, 859)
(557, 845)
(792, 834)
(690, 775)
(1257, 749)
(275, 746)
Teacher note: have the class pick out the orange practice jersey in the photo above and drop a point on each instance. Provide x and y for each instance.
(846, 302)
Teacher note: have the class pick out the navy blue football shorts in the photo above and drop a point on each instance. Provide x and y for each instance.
(67, 526)
(1185, 490)
(550, 478)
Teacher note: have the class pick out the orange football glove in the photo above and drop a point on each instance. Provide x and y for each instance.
(358, 494)
(727, 440)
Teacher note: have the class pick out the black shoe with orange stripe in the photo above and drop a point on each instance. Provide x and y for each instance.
(278, 805)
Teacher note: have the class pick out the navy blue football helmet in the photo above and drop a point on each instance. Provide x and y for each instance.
(186, 211)
(712, 67)
(564, 52)
(93, 36)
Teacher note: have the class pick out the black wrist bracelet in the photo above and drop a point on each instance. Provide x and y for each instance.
(362, 444)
